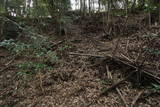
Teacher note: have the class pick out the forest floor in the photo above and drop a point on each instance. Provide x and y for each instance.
(76, 80)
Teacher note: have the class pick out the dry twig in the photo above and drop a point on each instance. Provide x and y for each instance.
(81, 54)
(121, 96)
(9, 64)
(116, 84)
(58, 43)
(136, 98)
(126, 63)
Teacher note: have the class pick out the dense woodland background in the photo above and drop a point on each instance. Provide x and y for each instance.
(79, 53)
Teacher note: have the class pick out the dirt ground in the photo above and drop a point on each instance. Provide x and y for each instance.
(74, 81)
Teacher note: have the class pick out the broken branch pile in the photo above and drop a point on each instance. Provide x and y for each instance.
(140, 52)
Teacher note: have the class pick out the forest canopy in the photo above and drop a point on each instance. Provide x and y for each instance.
(39, 8)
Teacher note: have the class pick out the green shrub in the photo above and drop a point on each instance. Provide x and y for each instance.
(32, 67)
(14, 47)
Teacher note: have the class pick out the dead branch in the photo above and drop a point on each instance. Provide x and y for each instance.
(130, 60)
(118, 91)
(56, 44)
(91, 55)
(136, 98)
(108, 72)
(124, 62)
(145, 71)
(9, 64)
(116, 84)
(41, 83)
(7, 67)
(122, 98)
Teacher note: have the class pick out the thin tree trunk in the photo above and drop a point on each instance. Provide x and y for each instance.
(6, 5)
(149, 14)
(81, 6)
(84, 7)
(141, 4)
(126, 7)
(133, 5)
(99, 5)
(93, 6)
(159, 12)
(112, 4)
(89, 4)
(28, 7)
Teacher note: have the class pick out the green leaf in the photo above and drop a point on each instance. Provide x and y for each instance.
(156, 86)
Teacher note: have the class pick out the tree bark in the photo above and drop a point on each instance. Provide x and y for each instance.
(84, 7)
(99, 5)
(159, 12)
(6, 5)
(141, 4)
(133, 6)
(81, 6)
(89, 4)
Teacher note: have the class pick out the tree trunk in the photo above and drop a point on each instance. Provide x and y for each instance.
(6, 5)
(133, 6)
(84, 7)
(81, 6)
(159, 12)
(126, 7)
(149, 14)
(99, 5)
(89, 4)
(93, 6)
(141, 4)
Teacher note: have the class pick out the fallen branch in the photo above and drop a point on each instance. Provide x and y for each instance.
(145, 71)
(149, 94)
(7, 67)
(58, 43)
(9, 64)
(116, 84)
(136, 99)
(122, 98)
(81, 54)
(122, 61)
(118, 91)
(12, 60)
